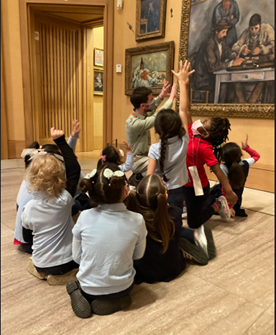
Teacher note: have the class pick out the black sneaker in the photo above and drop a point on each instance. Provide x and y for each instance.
(110, 306)
(192, 251)
(210, 243)
(79, 304)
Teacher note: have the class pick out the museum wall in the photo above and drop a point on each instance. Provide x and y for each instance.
(260, 131)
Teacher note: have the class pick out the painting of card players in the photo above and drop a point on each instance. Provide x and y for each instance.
(232, 49)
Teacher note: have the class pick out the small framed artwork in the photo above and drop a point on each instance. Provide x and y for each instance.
(98, 57)
(98, 82)
(150, 19)
(149, 66)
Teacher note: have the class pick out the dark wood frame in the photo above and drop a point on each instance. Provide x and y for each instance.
(97, 92)
(167, 46)
(263, 111)
(147, 36)
(95, 57)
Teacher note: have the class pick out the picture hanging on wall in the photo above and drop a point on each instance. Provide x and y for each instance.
(150, 19)
(149, 66)
(231, 46)
(98, 82)
(98, 57)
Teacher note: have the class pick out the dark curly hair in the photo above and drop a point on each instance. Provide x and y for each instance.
(218, 134)
(102, 190)
(167, 124)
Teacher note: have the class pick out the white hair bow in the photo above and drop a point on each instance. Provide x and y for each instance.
(109, 173)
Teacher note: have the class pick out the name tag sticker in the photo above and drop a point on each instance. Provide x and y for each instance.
(196, 180)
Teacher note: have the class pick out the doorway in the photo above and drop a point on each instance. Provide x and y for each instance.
(61, 40)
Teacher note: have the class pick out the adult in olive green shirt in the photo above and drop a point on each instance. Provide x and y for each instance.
(141, 120)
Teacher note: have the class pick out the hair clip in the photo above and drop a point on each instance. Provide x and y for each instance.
(218, 147)
(103, 157)
(37, 153)
(91, 175)
(109, 174)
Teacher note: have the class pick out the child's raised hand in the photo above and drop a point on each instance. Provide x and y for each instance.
(173, 92)
(184, 72)
(244, 144)
(128, 147)
(56, 133)
(76, 128)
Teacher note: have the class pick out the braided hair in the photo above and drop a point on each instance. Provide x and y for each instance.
(167, 124)
(219, 134)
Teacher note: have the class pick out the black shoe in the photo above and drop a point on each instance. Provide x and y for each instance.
(79, 304)
(27, 247)
(192, 251)
(241, 213)
(210, 243)
(110, 306)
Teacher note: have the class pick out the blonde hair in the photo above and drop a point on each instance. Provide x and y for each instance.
(46, 174)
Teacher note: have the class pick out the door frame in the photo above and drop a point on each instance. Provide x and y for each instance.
(27, 67)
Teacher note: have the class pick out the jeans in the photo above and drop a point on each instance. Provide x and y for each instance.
(176, 197)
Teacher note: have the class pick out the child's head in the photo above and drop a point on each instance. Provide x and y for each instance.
(110, 154)
(105, 185)
(167, 124)
(46, 174)
(231, 155)
(150, 200)
(141, 95)
(218, 129)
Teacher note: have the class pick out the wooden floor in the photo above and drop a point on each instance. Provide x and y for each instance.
(232, 295)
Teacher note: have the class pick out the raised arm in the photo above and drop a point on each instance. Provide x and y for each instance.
(183, 80)
(72, 142)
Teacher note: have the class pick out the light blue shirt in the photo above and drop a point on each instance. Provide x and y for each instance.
(52, 224)
(106, 240)
(175, 167)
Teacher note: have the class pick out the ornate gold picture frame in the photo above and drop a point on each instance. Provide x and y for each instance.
(236, 110)
(149, 66)
(150, 19)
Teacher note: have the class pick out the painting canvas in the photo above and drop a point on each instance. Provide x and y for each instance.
(150, 19)
(98, 57)
(231, 45)
(98, 82)
(149, 66)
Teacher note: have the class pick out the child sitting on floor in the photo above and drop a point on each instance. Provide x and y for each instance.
(106, 240)
(47, 219)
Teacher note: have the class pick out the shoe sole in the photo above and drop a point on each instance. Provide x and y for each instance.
(80, 305)
(193, 252)
(210, 243)
(33, 271)
(225, 204)
(110, 306)
(62, 279)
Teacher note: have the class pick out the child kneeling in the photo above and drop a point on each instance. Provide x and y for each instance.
(106, 240)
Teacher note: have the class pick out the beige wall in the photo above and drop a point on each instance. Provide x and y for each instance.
(260, 132)
(97, 42)
(13, 75)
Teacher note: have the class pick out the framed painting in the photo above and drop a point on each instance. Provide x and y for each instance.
(149, 66)
(150, 19)
(98, 82)
(98, 57)
(233, 57)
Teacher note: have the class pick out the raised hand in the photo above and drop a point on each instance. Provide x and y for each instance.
(244, 144)
(127, 146)
(55, 133)
(76, 128)
(164, 92)
(184, 72)
(173, 92)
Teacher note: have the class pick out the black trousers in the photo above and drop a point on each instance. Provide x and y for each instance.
(197, 214)
(59, 269)
(116, 295)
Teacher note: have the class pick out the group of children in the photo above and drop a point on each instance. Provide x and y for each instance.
(124, 237)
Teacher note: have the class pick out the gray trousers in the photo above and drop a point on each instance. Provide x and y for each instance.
(140, 164)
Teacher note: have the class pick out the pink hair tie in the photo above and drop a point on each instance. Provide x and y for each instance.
(103, 157)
